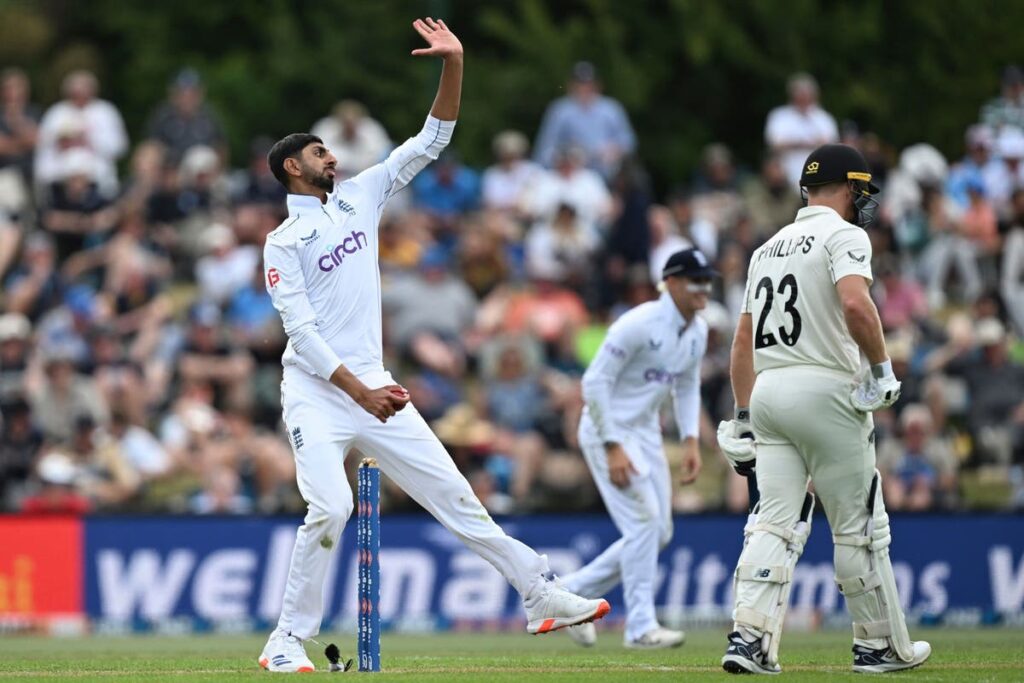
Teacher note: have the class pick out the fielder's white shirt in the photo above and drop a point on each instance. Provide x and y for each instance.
(320, 265)
(791, 292)
(650, 352)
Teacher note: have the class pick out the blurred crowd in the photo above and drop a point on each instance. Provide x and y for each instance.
(140, 352)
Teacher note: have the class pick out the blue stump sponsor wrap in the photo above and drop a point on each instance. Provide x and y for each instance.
(368, 544)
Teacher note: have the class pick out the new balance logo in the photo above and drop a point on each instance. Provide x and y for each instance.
(297, 438)
(858, 259)
(763, 573)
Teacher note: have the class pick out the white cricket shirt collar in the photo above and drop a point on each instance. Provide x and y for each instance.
(297, 203)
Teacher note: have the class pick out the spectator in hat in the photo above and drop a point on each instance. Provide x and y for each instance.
(76, 211)
(15, 334)
(356, 140)
(794, 130)
(585, 118)
(185, 119)
(506, 182)
(919, 468)
(1007, 110)
(64, 396)
(19, 130)
(34, 286)
(227, 266)
(56, 475)
(81, 120)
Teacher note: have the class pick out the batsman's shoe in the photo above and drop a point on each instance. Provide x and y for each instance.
(284, 653)
(869, 661)
(584, 635)
(743, 657)
(658, 638)
(551, 608)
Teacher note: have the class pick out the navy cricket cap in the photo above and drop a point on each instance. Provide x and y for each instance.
(835, 163)
(688, 263)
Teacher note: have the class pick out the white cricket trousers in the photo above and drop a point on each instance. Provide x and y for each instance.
(642, 512)
(323, 423)
(807, 429)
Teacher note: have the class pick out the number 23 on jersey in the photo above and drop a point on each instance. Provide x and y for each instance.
(789, 332)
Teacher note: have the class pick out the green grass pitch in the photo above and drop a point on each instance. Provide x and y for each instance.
(977, 656)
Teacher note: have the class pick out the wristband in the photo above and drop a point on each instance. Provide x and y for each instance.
(743, 414)
(883, 369)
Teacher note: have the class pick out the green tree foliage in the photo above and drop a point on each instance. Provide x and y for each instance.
(689, 71)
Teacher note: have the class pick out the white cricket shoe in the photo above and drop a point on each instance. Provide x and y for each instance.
(868, 661)
(657, 639)
(284, 653)
(550, 608)
(584, 635)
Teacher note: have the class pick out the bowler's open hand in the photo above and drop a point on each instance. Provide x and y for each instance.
(443, 42)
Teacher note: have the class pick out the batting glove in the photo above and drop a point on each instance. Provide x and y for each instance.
(878, 390)
(736, 440)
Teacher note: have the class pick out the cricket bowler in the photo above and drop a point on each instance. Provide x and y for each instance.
(321, 268)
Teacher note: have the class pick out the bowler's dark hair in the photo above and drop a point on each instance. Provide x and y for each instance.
(289, 146)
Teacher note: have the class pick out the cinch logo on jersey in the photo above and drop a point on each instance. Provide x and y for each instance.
(334, 257)
(660, 376)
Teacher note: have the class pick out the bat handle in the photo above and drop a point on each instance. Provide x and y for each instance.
(753, 495)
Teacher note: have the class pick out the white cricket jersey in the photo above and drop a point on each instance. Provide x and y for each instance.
(650, 352)
(321, 263)
(791, 292)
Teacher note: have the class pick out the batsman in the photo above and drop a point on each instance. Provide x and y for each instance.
(803, 413)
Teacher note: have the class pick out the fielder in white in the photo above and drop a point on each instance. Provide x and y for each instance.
(804, 413)
(323, 277)
(651, 352)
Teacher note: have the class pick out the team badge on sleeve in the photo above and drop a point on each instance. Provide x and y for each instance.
(273, 277)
